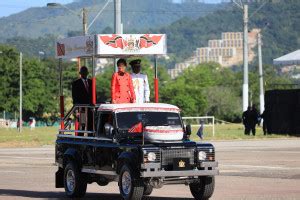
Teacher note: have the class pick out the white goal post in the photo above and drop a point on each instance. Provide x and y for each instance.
(195, 122)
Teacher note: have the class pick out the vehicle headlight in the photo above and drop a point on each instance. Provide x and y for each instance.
(151, 156)
(201, 155)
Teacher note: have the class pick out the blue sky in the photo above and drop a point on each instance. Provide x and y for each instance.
(8, 7)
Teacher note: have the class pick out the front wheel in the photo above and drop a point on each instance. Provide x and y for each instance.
(203, 189)
(130, 185)
(74, 181)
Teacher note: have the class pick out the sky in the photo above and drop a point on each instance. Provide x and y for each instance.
(9, 7)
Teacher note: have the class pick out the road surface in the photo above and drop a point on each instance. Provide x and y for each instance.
(249, 170)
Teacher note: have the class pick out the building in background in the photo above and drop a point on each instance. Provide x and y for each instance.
(227, 51)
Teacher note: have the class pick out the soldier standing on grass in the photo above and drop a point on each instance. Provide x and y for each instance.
(250, 119)
(254, 119)
(246, 120)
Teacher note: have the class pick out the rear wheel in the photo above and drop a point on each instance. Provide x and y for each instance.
(74, 181)
(203, 189)
(130, 185)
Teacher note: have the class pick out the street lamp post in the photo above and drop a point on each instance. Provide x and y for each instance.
(261, 86)
(245, 84)
(20, 91)
(85, 26)
(118, 23)
(21, 95)
(84, 11)
(245, 51)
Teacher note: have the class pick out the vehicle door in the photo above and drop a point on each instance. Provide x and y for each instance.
(104, 145)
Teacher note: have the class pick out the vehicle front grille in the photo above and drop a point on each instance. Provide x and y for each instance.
(167, 155)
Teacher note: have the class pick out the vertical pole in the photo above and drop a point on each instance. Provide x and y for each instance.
(84, 21)
(93, 82)
(156, 97)
(93, 92)
(61, 95)
(76, 124)
(84, 29)
(4, 117)
(78, 65)
(21, 95)
(213, 122)
(261, 86)
(245, 84)
(118, 23)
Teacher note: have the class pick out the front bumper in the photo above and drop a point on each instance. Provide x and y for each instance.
(153, 170)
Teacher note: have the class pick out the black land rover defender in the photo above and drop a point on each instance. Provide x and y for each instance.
(141, 146)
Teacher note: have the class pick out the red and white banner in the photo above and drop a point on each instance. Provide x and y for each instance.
(131, 44)
(111, 45)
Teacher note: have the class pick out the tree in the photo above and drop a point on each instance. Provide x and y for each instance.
(223, 103)
(187, 90)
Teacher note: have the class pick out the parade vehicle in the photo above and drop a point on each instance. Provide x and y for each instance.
(140, 146)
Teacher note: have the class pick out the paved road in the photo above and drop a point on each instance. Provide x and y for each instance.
(249, 170)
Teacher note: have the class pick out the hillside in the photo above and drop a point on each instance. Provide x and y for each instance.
(279, 23)
(137, 15)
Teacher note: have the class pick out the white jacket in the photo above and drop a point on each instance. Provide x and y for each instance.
(141, 87)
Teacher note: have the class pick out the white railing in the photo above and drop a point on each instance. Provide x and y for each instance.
(206, 120)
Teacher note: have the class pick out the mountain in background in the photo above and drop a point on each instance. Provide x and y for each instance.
(279, 21)
(136, 15)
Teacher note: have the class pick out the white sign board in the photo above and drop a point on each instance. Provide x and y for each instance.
(111, 45)
(131, 44)
(74, 47)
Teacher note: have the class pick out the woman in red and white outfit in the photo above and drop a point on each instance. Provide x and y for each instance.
(121, 85)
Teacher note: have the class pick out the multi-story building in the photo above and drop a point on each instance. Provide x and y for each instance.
(227, 51)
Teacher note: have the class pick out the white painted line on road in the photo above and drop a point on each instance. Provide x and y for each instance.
(255, 151)
(33, 158)
(260, 167)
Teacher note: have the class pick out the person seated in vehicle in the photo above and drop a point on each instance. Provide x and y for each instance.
(108, 126)
(121, 85)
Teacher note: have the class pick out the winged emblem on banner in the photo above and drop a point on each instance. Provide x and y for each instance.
(131, 43)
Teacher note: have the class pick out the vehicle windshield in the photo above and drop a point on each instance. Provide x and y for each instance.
(126, 120)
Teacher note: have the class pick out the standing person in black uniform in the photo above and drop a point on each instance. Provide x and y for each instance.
(82, 88)
(253, 119)
(82, 94)
(246, 120)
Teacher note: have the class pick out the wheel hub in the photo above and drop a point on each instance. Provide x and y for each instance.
(126, 183)
(70, 180)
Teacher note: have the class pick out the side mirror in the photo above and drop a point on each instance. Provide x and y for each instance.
(188, 130)
(108, 129)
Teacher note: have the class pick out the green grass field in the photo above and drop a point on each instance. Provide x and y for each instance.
(46, 135)
(28, 138)
(231, 132)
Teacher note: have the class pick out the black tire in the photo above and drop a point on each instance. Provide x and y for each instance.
(74, 181)
(148, 190)
(204, 189)
(130, 185)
